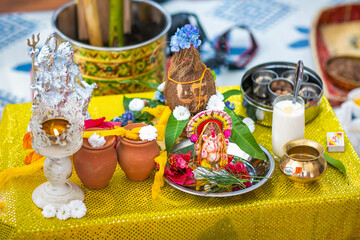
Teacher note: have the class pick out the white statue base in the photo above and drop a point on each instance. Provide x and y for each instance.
(58, 190)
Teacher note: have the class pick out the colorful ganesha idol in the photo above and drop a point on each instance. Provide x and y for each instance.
(210, 130)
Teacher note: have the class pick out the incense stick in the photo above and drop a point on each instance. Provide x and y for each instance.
(127, 16)
(93, 23)
(104, 16)
(81, 21)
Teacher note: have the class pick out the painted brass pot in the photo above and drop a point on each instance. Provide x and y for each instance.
(95, 166)
(109, 66)
(303, 161)
(136, 158)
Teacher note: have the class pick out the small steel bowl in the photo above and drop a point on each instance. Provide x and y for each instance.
(290, 74)
(279, 84)
(261, 79)
(309, 92)
(303, 161)
(260, 109)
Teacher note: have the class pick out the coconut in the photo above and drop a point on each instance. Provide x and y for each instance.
(184, 84)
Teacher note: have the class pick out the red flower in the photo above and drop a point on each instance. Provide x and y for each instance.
(100, 123)
(179, 161)
(179, 172)
(230, 158)
(185, 177)
(238, 168)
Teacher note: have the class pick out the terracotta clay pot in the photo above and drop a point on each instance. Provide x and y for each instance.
(96, 165)
(136, 158)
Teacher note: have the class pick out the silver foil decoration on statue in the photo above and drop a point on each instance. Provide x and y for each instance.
(55, 95)
(56, 75)
(69, 71)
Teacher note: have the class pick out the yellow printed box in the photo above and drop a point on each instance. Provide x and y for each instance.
(335, 142)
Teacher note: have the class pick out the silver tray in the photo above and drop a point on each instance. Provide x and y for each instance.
(260, 110)
(255, 167)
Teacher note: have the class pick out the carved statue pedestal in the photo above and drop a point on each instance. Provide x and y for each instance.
(57, 190)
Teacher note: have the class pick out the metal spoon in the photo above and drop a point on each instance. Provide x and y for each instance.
(298, 79)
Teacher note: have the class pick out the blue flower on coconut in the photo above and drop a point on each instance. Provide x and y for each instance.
(159, 96)
(185, 37)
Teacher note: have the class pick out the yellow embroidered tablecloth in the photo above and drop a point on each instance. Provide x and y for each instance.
(280, 209)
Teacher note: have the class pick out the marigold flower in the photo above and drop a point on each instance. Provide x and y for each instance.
(219, 95)
(49, 211)
(215, 104)
(136, 104)
(77, 208)
(27, 141)
(148, 133)
(181, 113)
(96, 141)
(64, 212)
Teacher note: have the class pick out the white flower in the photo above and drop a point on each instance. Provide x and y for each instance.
(250, 124)
(136, 104)
(77, 209)
(181, 113)
(215, 103)
(64, 212)
(160, 88)
(234, 149)
(96, 141)
(219, 95)
(49, 211)
(148, 133)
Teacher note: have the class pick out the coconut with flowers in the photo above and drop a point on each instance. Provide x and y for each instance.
(189, 82)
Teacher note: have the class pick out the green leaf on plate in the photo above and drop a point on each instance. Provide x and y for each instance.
(335, 163)
(229, 93)
(126, 102)
(242, 136)
(173, 131)
(146, 84)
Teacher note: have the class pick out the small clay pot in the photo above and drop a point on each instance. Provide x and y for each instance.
(96, 165)
(136, 158)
